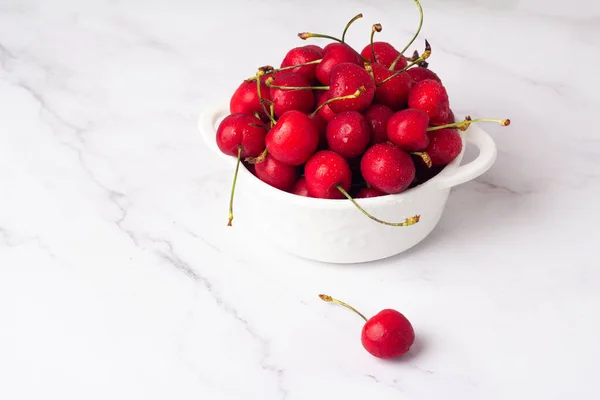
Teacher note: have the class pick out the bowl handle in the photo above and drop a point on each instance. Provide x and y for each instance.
(207, 125)
(483, 162)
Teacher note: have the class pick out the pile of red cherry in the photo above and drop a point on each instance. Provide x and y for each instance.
(334, 123)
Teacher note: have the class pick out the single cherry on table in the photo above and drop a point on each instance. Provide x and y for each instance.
(388, 334)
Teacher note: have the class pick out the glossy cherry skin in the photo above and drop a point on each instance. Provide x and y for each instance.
(377, 116)
(325, 111)
(348, 134)
(430, 96)
(448, 118)
(387, 168)
(276, 173)
(388, 334)
(334, 54)
(245, 99)
(302, 55)
(407, 129)
(393, 93)
(345, 79)
(293, 139)
(385, 54)
(324, 171)
(444, 146)
(321, 125)
(419, 74)
(241, 130)
(366, 193)
(285, 99)
(300, 188)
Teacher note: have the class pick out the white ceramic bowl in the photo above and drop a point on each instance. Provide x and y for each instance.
(335, 231)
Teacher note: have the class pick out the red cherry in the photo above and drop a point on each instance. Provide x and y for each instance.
(240, 135)
(387, 168)
(385, 54)
(419, 74)
(449, 118)
(293, 139)
(241, 130)
(321, 125)
(348, 134)
(407, 129)
(345, 79)
(314, 47)
(286, 99)
(444, 146)
(302, 55)
(334, 54)
(394, 92)
(250, 168)
(378, 116)
(365, 193)
(388, 334)
(318, 94)
(324, 171)
(325, 111)
(300, 188)
(245, 99)
(430, 96)
(276, 173)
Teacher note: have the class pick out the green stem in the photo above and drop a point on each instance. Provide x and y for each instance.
(407, 222)
(463, 125)
(235, 175)
(425, 56)
(354, 95)
(357, 16)
(306, 35)
(414, 37)
(329, 299)
(262, 104)
(298, 87)
(273, 71)
(375, 28)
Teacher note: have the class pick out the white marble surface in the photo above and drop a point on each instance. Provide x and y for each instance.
(119, 279)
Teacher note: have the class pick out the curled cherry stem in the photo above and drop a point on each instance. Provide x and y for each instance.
(423, 57)
(329, 299)
(413, 38)
(357, 16)
(407, 222)
(354, 95)
(235, 175)
(374, 28)
(464, 125)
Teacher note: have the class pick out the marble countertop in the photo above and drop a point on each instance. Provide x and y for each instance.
(120, 280)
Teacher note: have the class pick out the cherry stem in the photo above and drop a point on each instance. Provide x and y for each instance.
(306, 35)
(256, 160)
(464, 125)
(235, 175)
(375, 28)
(269, 83)
(262, 101)
(268, 70)
(354, 95)
(424, 156)
(407, 222)
(329, 299)
(414, 37)
(423, 57)
(357, 16)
